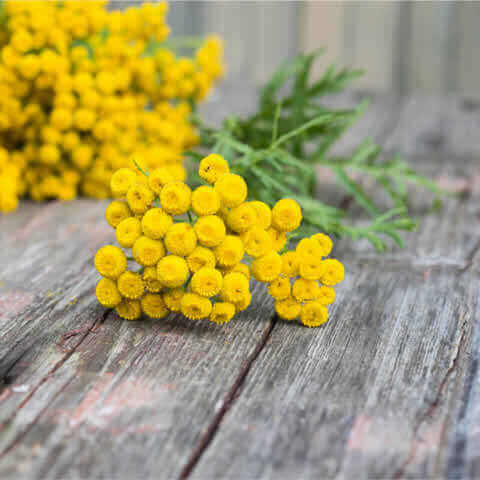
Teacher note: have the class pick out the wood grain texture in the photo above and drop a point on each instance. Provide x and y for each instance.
(388, 388)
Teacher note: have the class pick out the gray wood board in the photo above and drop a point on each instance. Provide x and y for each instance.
(388, 388)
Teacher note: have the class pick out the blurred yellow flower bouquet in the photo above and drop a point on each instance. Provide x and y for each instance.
(193, 251)
(84, 89)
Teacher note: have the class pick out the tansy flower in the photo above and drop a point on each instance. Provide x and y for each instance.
(280, 288)
(150, 280)
(240, 268)
(286, 215)
(173, 298)
(122, 180)
(241, 218)
(267, 268)
(333, 272)
(160, 177)
(116, 212)
(257, 242)
(232, 189)
(153, 305)
(310, 267)
(172, 271)
(128, 231)
(288, 309)
(222, 312)
(305, 289)
(244, 302)
(205, 201)
(207, 282)
(181, 239)
(279, 239)
(195, 306)
(212, 167)
(130, 285)
(326, 295)
(175, 198)
(325, 243)
(290, 264)
(235, 287)
(264, 214)
(139, 198)
(313, 314)
(129, 309)
(201, 257)
(308, 247)
(107, 293)
(229, 252)
(210, 230)
(110, 261)
(156, 223)
(147, 252)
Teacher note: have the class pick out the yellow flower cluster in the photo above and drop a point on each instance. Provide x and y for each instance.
(84, 89)
(197, 249)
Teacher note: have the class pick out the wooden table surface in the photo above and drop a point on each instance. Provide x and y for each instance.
(389, 388)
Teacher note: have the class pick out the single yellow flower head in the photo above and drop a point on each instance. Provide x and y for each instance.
(222, 312)
(129, 309)
(205, 201)
(243, 304)
(159, 177)
(116, 212)
(290, 264)
(325, 243)
(257, 242)
(153, 305)
(212, 167)
(195, 306)
(230, 251)
(241, 218)
(210, 230)
(232, 190)
(326, 295)
(172, 271)
(207, 282)
(279, 238)
(333, 272)
(313, 314)
(305, 289)
(235, 287)
(181, 239)
(264, 214)
(110, 261)
(267, 268)
(199, 258)
(173, 298)
(280, 288)
(286, 215)
(107, 293)
(130, 285)
(122, 180)
(175, 198)
(288, 309)
(139, 198)
(147, 252)
(150, 280)
(156, 223)
(308, 247)
(128, 231)
(240, 268)
(310, 267)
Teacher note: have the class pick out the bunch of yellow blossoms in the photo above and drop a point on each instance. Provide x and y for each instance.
(83, 89)
(197, 249)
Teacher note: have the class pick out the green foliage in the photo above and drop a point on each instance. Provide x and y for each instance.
(277, 149)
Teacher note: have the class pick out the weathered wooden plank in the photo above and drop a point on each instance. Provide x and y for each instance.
(143, 391)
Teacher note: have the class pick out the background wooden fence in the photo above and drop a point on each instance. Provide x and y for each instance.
(404, 46)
